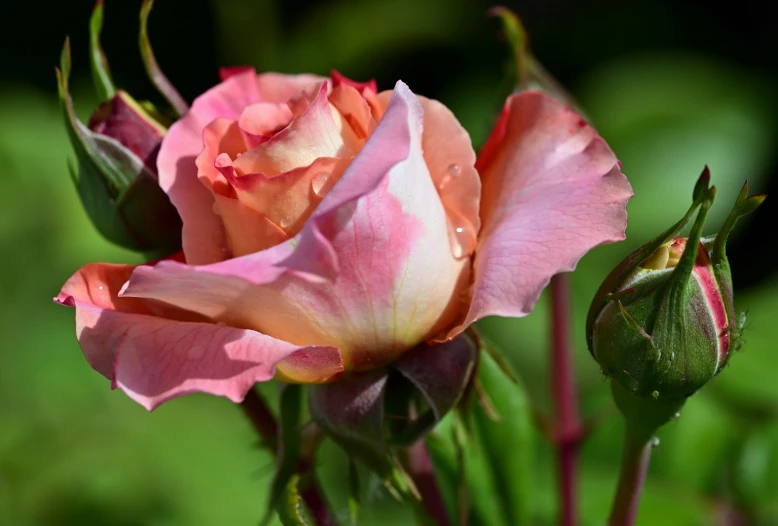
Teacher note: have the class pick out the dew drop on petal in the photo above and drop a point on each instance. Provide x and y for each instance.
(195, 352)
(321, 183)
(286, 222)
(221, 324)
(452, 173)
(462, 235)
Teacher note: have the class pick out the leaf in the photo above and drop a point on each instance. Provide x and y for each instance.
(292, 509)
(101, 74)
(507, 444)
(353, 492)
(155, 73)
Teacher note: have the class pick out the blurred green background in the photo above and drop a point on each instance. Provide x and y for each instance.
(671, 85)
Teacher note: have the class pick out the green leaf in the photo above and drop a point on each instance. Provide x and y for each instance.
(507, 444)
(292, 509)
(155, 73)
(101, 74)
(353, 492)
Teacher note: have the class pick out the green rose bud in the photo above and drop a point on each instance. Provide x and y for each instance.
(663, 322)
(115, 170)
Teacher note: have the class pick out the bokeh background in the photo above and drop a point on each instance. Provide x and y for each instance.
(671, 85)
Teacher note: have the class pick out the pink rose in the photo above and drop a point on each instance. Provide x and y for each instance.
(330, 228)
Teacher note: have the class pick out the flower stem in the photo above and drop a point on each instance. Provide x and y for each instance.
(634, 466)
(567, 427)
(263, 421)
(419, 466)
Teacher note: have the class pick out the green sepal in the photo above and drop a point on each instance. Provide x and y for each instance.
(119, 193)
(289, 443)
(722, 272)
(291, 508)
(157, 77)
(101, 73)
(529, 72)
(619, 275)
(358, 428)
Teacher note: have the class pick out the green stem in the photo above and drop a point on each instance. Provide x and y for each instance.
(634, 466)
(644, 415)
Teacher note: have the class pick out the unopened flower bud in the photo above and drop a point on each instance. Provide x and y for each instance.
(663, 322)
(115, 170)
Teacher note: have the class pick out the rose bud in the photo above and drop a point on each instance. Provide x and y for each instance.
(115, 171)
(330, 228)
(663, 322)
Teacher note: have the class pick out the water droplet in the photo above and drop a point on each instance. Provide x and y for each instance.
(100, 287)
(655, 442)
(452, 173)
(676, 416)
(462, 236)
(286, 222)
(321, 183)
(221, 324)
(196, 352)
(216, 210)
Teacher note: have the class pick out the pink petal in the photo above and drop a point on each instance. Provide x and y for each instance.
(552, 190)
(154, 359)
(278, 87)
(315, 133)
(359, 274)
(260, 121)
(203, 234)
(366, 89)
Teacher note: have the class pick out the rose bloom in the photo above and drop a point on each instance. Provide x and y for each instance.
(329, 228)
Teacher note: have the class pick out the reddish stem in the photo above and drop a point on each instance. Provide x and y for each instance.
(419, 466)
(567, 427)
(264, 423)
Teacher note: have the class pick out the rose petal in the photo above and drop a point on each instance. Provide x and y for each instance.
(155, 359)
(260, 121)
(286, 199)
(377, 237)
(203, 235)
(552, 190)
(315, 133)
(355, 110)
(366, 89)
(451, 160)
(279, 87)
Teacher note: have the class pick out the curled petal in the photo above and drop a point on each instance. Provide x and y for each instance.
(203, 236)
(552, 190)
(312, 134)
(279, 87)
(154, 359)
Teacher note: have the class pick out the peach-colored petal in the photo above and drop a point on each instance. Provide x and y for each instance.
(203, 235)
(286, 199)
(247, 230)
(451, 160)
(552, 190)
(355, 110)
(279, 87)
(220, 135)
(366, 89)
(154, 359)
(315, 133)
(372, 270)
